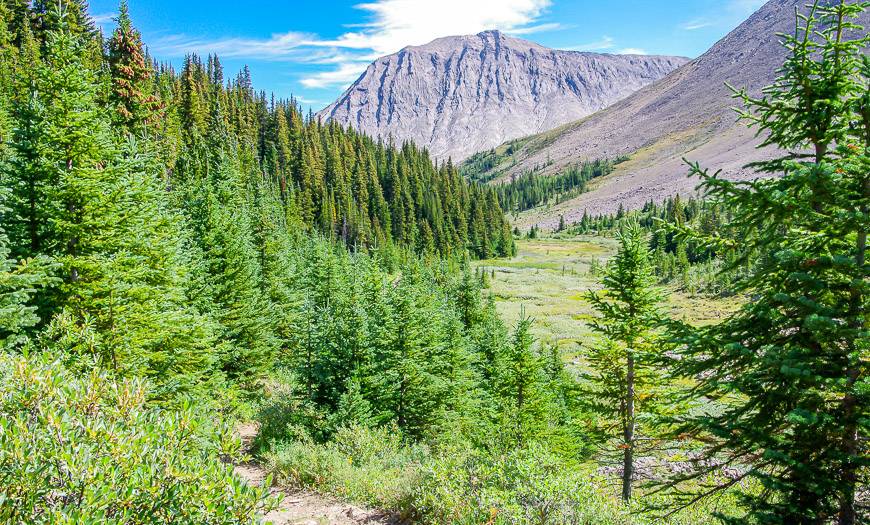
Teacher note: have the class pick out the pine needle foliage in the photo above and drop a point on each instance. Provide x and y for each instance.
(787, 375)
(623, 376)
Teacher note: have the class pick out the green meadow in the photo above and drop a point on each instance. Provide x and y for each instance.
(550, 277)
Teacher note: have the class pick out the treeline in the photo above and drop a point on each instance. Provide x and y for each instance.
(330, 179)
(165, 202)
(531, 189)
(676, 258)
(479, 167)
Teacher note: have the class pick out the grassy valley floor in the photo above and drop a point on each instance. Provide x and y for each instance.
(549, 278)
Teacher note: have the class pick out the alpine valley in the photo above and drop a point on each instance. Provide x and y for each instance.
(492, 283)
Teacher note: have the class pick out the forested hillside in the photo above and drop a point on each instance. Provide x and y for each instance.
(164, 226)
(180, 255)
(198, 124)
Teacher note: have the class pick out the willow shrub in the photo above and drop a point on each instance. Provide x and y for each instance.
(459, 485)
(90, 449)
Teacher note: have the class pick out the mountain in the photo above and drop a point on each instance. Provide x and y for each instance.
(462, 94)
(687, 114)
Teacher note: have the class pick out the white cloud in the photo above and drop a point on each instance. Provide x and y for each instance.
(697, 23)
(606, 42)
(391, 25)
(632, 51)
(399, 23)
(540, 28)
(343, 75)
(104, 18)
(310, 101)
(281, 46)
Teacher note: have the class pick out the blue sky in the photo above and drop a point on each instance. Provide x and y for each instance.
(314, 49)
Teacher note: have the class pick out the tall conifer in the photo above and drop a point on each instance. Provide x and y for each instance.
(792, 362)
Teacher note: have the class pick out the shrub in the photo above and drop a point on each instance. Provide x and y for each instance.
(461, 485)
(88, 448)
(369, 466)
(284, 415)
(526, 486)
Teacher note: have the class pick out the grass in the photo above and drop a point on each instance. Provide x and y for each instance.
(548, 280)
(461, 486)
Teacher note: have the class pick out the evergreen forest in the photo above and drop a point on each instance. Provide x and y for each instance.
(182, 256)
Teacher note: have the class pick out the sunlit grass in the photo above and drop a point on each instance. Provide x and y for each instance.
(549, 278)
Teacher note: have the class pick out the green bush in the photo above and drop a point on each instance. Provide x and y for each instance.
(526, 486)
(461, 485)
(90, 449)
(369, 466)
(284, 415)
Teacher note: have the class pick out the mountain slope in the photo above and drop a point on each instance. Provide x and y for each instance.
(687, 114)
(459, 95)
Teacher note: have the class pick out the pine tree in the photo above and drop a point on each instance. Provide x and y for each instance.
(621, 363)
(105, 220)
(234, 275)
(793, 361)
(467, 297)
(522, 385)
(489, 338)
(405, 385)
(18, 283)
(353, 407)
(135, 105)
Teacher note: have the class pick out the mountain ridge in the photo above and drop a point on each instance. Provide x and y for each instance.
(689, 113)
(461, 94)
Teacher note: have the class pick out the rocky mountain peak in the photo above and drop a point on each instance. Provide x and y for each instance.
(461, 94)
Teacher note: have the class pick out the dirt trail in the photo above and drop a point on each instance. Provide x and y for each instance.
(300, 507)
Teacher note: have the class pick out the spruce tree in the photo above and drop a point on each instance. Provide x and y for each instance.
(620, 363)
(234, 277)
(521, 385)
(135, 104)
(791, 365)
(105, 219)
(19, 281)
(405, 384)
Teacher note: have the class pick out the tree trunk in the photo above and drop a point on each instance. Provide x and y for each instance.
(628, 431)
(72, 243)
(847, 514)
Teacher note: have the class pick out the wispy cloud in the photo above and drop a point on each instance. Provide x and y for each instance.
(343, 75)
(632, 51)
(281, 46)
(604, 43)
(104, 18)
(724, 15)
(695, 24)
(310, 101)
(395, 24)
(540, 28)
(391, 25)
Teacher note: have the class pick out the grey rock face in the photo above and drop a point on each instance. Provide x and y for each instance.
(688, 114)
(459, 95)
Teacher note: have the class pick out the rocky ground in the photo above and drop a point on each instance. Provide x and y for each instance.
(688, 114)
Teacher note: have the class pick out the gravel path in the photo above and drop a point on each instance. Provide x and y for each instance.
(301, 507)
